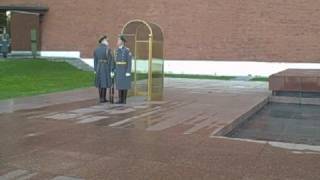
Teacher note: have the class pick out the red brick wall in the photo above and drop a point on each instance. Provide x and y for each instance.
(272, 30)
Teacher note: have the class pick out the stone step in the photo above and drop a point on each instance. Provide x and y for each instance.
(74, 62)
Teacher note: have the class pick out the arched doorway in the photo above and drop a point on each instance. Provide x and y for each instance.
(145, 40)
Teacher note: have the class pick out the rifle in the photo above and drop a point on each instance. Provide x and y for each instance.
(111, 92)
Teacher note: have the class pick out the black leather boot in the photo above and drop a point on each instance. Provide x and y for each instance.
(104, 93)
(100, 95)
(125, 93)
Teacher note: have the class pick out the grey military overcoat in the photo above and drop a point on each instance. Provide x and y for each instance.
(4, 41)
(123, 62)
(102, 66)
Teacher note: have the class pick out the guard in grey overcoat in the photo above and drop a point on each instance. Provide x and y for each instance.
(5, 43)
(103, 60)
(123, 62)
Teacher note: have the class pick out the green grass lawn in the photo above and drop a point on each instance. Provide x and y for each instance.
(31, 77)
(263, 79)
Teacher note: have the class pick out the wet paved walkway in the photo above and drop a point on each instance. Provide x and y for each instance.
(171, 139)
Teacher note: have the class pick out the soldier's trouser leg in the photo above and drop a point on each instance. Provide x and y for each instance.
(119, 96)
(125, 93)
(104, 93)
(122, 96)
(100, 94)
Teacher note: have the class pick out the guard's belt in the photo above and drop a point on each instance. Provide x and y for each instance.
(121, 63)
(103, 61)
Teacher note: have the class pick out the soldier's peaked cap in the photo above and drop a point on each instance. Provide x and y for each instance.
(103, 38)
(122, 38)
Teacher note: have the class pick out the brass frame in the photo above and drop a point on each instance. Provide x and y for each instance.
(150, 42)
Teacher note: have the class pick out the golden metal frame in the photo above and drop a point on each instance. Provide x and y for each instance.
(150, 40)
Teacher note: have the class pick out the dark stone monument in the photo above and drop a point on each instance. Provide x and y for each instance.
(296, 82)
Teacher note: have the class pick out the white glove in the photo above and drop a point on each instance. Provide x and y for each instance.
(112, 74)
(95, 72)
(128, 74)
